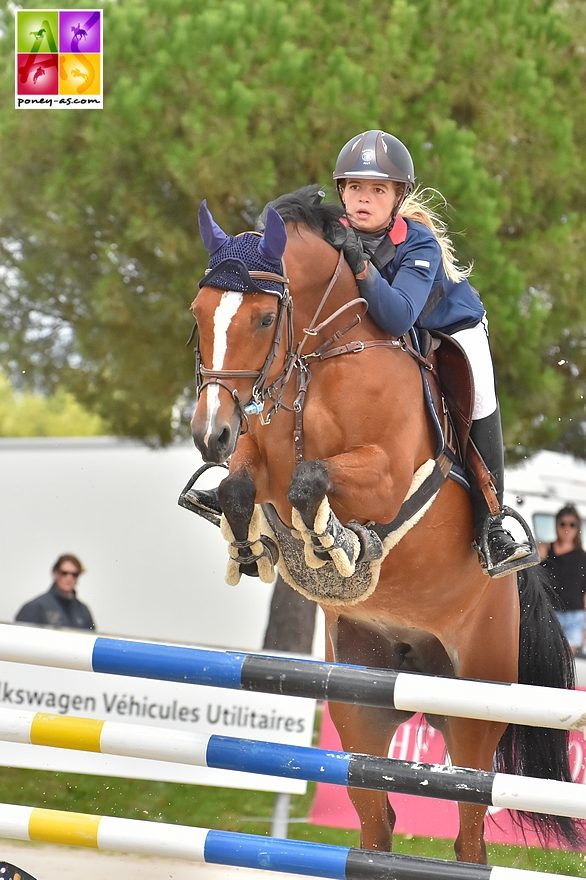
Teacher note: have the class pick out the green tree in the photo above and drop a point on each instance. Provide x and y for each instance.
(239, 101)
(26, 414)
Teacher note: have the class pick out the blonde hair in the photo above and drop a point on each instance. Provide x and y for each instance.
(421, 206)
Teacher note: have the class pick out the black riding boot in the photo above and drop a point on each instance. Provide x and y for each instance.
(505, 555)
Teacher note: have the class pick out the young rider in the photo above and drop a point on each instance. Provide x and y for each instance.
(404, 263)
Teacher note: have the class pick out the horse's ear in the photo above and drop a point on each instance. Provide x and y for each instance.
(212, 235)
(274, 237)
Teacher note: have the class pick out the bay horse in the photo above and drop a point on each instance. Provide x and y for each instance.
(324, 423)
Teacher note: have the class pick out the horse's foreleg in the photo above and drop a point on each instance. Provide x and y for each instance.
(323, 534)
(365, 483)
(250, 552)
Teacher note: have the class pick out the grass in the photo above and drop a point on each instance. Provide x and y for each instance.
(234, 810)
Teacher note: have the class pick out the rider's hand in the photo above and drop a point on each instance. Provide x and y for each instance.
(345, 239)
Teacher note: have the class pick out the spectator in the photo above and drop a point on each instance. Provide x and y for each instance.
(565, 560)
(59, 606)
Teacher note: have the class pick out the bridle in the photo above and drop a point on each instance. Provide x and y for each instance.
(205, 377)
(293, 358)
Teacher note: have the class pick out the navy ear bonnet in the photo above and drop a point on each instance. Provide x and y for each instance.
(230, 265)
(233, 257)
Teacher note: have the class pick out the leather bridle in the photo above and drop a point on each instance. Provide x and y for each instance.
(255, 406)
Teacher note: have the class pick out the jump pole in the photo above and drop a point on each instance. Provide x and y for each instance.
(412, 692)
(501, 790)
(238, 850)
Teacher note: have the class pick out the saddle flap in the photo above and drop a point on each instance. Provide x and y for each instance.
(457, 385)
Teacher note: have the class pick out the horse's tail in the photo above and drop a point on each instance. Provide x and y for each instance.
(545, 659)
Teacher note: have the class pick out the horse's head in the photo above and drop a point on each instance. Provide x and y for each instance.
(242, 311)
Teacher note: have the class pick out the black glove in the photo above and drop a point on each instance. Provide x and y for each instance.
(345, 239)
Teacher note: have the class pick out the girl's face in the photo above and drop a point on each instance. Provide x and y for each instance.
(369, 203)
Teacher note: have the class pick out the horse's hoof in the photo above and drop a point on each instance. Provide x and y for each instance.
(328, 537)
(371, 546)
(257, 556)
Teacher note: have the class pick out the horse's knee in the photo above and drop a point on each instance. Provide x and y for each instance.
(309, 486)
(236, 495)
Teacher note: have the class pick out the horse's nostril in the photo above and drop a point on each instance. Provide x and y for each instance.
(224, 437)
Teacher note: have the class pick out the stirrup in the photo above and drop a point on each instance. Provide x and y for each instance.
(496, 569)
(202, 501)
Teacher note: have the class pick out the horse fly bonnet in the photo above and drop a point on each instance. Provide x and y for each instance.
(234, 257)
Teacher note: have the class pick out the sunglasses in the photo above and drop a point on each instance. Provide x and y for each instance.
(66, 572)
(569, 524)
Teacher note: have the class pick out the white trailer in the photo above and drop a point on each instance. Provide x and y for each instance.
(543, 484)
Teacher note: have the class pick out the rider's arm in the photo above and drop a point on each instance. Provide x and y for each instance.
(396, 306)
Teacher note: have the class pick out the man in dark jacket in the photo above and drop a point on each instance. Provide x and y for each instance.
(59, 606)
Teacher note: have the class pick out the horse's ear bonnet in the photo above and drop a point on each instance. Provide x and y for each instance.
(233, 257)
(274, 237)
(212, 235)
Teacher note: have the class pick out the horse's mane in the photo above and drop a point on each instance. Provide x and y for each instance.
(303, 207)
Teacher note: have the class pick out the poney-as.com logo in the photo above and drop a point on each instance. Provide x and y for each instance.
(59, 59)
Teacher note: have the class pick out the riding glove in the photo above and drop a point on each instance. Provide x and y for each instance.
(345, 239)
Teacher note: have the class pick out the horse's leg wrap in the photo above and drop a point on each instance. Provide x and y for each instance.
(250, 552)
(256, 555)
(329, 535)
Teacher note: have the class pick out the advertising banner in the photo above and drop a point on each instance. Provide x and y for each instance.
(186, 707)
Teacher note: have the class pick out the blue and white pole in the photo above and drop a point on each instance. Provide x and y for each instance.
(411, 692)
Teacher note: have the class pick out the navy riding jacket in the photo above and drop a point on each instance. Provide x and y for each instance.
(413, 288)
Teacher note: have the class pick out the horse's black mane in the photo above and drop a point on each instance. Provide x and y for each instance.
(304, 207)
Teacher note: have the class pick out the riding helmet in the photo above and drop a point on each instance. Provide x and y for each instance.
(375, 153)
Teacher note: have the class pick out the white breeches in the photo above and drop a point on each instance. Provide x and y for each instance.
(474, 341)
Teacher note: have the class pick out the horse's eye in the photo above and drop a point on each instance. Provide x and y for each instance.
(268, 320)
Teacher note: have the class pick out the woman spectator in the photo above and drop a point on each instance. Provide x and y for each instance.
(565, 560)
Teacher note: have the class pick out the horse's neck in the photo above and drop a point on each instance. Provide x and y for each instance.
(311, 264)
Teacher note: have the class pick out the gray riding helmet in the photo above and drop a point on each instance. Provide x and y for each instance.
(373, 154)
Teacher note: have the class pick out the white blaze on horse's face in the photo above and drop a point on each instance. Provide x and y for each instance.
(225, 311)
